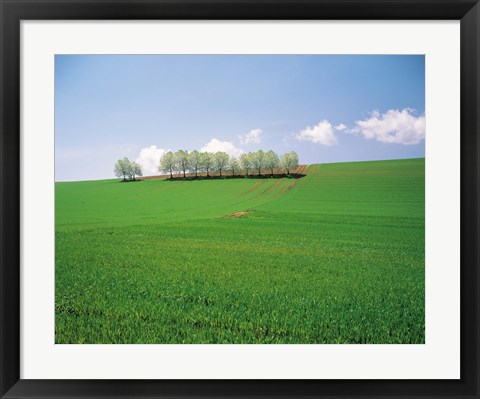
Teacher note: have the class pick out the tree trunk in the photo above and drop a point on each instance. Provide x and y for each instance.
(171, 175)
(220, 172)
(184, 174)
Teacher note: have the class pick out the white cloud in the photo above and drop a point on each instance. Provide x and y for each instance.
(215, 145)
(394, 126)
(340, 127)
(253, 136)
(149, 159)
(320, 134)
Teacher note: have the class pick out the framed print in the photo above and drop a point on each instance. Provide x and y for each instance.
(239, 199)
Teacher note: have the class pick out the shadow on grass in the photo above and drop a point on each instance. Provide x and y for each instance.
(224, 177)
(130, 181)
(228, 177)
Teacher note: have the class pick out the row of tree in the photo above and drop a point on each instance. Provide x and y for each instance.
(206, 162)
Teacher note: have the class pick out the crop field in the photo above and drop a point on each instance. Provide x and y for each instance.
(334, 257)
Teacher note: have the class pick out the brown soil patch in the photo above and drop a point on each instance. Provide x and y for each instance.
(237, 215)
(300, 169)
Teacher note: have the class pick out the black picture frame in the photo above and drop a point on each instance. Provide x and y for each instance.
(14, 11)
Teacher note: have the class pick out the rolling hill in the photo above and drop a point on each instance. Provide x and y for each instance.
(334, 257)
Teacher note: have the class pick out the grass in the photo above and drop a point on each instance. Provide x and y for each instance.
(334, 257)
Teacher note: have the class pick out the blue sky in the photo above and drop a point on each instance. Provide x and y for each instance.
(327, 108)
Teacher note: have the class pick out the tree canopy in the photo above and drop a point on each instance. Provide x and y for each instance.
(168, 163)
(220, 161)
(126, 168)
(271, 161)
(289, 161)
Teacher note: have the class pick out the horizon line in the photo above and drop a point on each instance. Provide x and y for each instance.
(318, 163)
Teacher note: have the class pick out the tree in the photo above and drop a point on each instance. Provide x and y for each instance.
(233, 165)
(135, 170)
(258, 161)
(194, 160)
(271, 161)
(289, 161)
(246, 161)
(206, 162)
(122, 168)
(181, 158)
(167, 163)
(220, 161)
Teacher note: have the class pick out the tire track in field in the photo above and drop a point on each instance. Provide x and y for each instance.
(255, 186)
(280, 191)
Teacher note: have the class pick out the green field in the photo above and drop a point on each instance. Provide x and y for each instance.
(335, 257)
